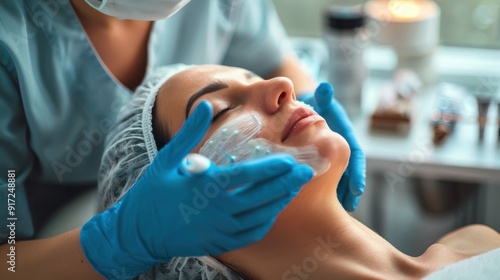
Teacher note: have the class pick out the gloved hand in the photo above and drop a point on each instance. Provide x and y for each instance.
(352, 183)
(169, 212)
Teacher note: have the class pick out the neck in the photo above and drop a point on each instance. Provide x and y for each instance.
(315, 238)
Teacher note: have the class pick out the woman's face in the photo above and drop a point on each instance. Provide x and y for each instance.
(234, 92)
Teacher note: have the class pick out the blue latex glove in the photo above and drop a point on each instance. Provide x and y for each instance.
(352, 183)
(169, 212)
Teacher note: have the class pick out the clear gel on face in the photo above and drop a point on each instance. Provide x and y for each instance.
(236, 141)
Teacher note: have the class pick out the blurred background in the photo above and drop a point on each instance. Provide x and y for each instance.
(418, 189)
(474, 23)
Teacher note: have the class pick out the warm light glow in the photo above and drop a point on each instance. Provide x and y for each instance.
(406, 9)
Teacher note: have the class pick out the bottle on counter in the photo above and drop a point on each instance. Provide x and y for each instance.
(346, 41)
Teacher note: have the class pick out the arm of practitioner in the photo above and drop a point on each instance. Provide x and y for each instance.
(16, 159)
(160, 217)
(60, 257)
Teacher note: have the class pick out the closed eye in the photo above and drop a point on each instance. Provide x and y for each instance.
(220, 113)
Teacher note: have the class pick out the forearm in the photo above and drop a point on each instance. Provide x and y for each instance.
(59, 257)
(291, 68)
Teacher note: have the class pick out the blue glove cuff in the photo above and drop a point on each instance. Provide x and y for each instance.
(104, 251)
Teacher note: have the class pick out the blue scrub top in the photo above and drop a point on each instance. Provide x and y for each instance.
(59, 101)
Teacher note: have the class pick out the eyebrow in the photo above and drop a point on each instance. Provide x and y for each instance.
(213, 87)
(210, 88)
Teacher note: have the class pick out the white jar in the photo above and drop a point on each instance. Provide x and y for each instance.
(346, 41)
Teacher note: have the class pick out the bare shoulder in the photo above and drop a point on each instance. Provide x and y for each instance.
(471, 240)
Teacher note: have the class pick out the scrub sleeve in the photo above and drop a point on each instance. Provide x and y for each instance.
(57, 103)
(13, 155)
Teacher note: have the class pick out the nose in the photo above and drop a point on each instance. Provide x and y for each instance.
(274, 93)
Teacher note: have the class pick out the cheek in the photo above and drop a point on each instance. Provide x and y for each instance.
(271, 129)
(274, 126)
(209, 133)
(239, 129)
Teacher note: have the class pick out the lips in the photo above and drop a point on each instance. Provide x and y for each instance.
(297, 122)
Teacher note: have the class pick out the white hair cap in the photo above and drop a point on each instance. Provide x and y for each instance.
(130, 146)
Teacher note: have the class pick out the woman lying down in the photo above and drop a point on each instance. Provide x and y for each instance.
(314, 237)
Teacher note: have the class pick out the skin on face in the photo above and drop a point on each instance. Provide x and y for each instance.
(274, 102)
(315, 212)
(235, 92)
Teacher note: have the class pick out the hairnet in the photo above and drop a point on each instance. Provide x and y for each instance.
(129, 150)
(130, 146)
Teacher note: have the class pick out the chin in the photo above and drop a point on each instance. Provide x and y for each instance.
(335, 148)
(330, 145)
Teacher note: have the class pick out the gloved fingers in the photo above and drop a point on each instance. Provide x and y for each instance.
(191, 133)
(224, 241)
(351, 202)
(324, 96)
(258, 195)
(357, 172)
(355, 147)
(307, 98)
(226, 223)
(347, 197)
(214, 220)
(231, 239)
(221, 246)
(356, 186)
(254, 234)
(250, 172)
(265, 213)
(337, 118)
(343, 189)
(207, 241)
(234, 241)
(214, 230)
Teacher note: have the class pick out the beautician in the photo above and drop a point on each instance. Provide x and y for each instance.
(67, 67)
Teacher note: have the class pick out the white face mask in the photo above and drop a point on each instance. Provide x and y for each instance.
(138, 9)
